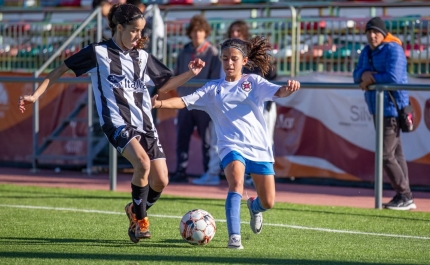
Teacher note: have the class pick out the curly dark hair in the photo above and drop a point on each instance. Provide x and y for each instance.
(124, 15)
(243, 29)
(198, 22)
(257, 50)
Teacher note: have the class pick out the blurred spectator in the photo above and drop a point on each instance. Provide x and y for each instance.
(198, 30)
(383, 61)
(154, 28)
(105, 6)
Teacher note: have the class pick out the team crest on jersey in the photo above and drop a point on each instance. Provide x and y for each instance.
(115, 79)
(118, 131)
(246, 86)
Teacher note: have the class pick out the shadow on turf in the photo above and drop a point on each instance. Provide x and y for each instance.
(175, 259)
(20, 241)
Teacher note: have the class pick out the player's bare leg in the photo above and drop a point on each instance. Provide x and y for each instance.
(136, 211)
(265, 186)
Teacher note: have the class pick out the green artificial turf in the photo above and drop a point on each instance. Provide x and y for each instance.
(71, 226)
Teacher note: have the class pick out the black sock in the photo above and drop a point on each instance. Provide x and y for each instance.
(139, 195)
(153, 196)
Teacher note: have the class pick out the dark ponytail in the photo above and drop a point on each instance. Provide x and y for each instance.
(124, 15)
(259, 54)
(257, 50)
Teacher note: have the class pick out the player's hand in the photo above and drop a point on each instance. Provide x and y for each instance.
(196, 66)
(25, 100)
(155, 103)
(363, 86)
(368, 78)
(293, 85)
(365, 83)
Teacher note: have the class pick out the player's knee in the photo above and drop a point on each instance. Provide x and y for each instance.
(159, 183)
(141, 166)
(388, 159)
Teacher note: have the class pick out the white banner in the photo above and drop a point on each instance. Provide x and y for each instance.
(330, 133)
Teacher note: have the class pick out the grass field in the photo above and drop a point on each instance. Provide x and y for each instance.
(70, 226)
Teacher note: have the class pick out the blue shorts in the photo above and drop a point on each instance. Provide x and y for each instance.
(251, 167)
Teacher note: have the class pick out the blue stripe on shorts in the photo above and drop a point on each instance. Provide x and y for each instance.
(251, 167)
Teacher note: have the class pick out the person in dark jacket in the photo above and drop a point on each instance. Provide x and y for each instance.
(199, 47)
(383, 61)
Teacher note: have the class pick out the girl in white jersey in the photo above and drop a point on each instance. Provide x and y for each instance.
(235, 105)
(120, 70)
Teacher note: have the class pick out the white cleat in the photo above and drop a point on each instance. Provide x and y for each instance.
(256, 222)
(235, 242)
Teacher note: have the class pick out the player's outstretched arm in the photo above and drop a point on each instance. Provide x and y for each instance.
(47, 82)
(171, 103)
(288, 89)
(194, 68)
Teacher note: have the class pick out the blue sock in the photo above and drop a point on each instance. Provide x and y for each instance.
(232, 212)
(256, 206)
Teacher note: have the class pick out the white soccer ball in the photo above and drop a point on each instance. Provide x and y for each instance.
(197, 227)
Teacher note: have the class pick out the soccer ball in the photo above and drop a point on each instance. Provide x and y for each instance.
(197, 227)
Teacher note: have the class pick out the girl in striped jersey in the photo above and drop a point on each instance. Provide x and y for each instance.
(235, 104)
(120, 72)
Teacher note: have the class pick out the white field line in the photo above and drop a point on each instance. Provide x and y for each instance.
(218, 220)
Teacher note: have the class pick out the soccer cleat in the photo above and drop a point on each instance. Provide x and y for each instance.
(235, 242)
(256, 222)
(132, 226)
(207, 179)
(142, 229)
(400, 202)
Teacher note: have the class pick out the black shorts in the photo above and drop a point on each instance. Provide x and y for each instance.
(119, 137)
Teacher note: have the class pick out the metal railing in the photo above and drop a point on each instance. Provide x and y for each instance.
(280, 31)
(30, 36)
(95, 14)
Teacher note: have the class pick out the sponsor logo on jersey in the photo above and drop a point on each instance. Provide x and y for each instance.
(246, 86)
(120, 81)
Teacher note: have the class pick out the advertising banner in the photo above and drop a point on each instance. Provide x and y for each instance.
(16, 130)
(330, 133)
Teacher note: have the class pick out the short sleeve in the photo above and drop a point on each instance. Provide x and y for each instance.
(82, 61)
(265, 90)
(198, 100)
(157, 72)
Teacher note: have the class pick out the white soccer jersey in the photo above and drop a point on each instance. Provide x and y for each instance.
(236, 108)
(119, 80)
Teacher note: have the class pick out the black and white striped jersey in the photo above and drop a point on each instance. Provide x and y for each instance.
(120, 80)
